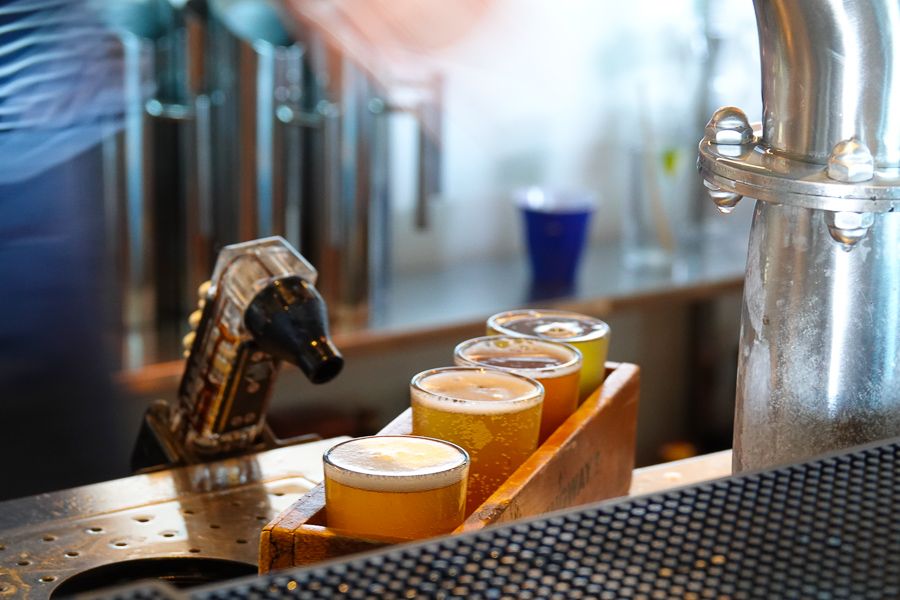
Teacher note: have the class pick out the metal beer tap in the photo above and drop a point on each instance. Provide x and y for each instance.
(819, 363)
(259, 308)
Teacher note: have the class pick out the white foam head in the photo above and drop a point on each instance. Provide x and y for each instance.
(475, 390)
(396, 463)
(549, 359)
(554, 325)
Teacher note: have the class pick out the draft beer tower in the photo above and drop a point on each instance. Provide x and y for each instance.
(819, 363)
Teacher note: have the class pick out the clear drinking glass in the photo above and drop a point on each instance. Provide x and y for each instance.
(401, 487)
(494, 415)
(555, 365)
(589, 335)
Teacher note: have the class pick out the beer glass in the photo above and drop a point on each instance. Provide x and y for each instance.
(494, 415)
(556, 366)
(395, 486)
(589, 335)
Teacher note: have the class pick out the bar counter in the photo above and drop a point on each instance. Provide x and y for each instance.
(211, 515)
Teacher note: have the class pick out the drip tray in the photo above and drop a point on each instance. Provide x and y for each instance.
(180, 572)
(186, 526)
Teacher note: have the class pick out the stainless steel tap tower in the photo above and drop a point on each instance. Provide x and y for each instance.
(819, 364)
(242, 123)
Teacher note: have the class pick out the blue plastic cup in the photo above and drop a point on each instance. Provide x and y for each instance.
(555, 229)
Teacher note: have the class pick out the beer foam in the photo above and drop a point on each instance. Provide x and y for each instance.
(396, 463)
(528, 356)
(475, 390)
(555, 325)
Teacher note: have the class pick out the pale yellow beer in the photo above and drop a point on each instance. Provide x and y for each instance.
(494, 415)
(557, 366)
(589, 335)
(400, 487)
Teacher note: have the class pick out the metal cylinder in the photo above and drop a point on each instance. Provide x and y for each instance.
(828, 73)
(299, 149)
(818, 368)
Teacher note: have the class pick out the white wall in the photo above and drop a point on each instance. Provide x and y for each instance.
(558, 94)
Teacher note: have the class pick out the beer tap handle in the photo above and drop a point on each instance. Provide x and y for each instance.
(260, 307)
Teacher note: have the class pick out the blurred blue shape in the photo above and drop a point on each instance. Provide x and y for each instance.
(60, 84)
(60, 95)
(556, 225)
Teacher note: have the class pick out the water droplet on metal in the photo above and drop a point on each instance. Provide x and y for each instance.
(848, 228)
(729, 126)
(724, 200)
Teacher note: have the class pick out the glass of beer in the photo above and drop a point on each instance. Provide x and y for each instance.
(396, 486)
(589, 335)
(494, 415)
(556, 366)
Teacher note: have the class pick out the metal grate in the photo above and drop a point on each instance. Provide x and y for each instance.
(825, 529)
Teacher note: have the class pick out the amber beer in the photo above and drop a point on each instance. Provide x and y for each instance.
(556, 366)
(494, 415)
(400, 487)
(589, 335)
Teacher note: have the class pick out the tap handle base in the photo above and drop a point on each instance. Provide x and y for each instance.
(158, 448)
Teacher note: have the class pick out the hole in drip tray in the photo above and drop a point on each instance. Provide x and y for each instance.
(48, 578)
(23, 563)
(182, 572)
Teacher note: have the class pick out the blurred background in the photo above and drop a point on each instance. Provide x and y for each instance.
(385, 140)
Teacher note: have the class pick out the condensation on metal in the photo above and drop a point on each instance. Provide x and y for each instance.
(819, 366)
(820, 333)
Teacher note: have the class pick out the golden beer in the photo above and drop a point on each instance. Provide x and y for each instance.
(494, 415)
(589, 335)
(402, 487)
(556, 366)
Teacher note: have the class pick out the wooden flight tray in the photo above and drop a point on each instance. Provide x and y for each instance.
(590, 457)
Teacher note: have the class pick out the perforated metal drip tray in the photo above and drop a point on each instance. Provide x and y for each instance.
(189, 526)
(824, 529)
